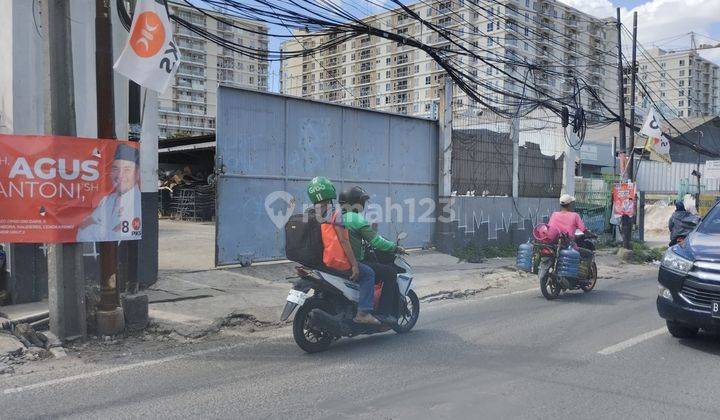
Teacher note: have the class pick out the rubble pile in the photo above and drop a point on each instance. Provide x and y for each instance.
(24, 344)
(185, 195)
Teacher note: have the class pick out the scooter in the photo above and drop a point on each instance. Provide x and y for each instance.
(327, 303)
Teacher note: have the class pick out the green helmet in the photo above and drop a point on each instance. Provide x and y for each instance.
(321, 189)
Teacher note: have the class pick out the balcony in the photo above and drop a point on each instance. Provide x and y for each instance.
(182, 32)
(194, 88)
(194, 60)
(197, 49)
(189, 99)
(192, 73)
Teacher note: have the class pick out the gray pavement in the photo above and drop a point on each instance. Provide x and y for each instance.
(500, 356)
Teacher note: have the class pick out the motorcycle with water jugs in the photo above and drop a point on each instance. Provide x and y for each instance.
(559, 266)
(327, 303)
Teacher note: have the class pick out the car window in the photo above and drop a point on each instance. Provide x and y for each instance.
(711, 222)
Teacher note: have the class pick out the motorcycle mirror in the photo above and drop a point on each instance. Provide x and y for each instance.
(401, 236)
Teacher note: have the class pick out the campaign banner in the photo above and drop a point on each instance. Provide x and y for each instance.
(57, 189)
(623, 195)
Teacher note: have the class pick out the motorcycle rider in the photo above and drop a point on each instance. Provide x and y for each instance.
(681, 223)
(353, 202)
(322, 193)
(568, 221)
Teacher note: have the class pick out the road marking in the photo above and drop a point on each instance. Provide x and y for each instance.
(632, 341)
(110, 371)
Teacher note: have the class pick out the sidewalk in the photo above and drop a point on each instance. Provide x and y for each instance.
(193, 304)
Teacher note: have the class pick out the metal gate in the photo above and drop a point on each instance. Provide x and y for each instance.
(269, 146)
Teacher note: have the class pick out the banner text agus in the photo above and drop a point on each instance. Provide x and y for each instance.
(65, 189)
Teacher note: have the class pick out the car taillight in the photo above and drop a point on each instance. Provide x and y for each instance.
(546, 251)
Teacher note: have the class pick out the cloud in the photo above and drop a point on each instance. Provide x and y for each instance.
(660, 19)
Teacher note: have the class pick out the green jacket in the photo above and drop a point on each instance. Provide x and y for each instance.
(360, 231)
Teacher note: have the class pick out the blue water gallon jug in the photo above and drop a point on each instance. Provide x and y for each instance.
(568, 263)
(524, 257)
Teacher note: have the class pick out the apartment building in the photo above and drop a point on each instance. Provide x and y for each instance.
(373, 72)
(682, 84)
(188, 107)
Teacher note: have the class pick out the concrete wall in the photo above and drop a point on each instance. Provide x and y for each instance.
(491, 221)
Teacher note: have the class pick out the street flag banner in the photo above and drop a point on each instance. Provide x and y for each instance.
(67, 189)
(658, 143)
(150, 57)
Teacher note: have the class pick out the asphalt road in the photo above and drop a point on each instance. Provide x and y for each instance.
(597, 355)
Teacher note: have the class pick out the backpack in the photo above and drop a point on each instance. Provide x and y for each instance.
(333, 253)
(303, 239)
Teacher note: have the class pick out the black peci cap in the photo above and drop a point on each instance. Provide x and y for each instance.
(126, 152)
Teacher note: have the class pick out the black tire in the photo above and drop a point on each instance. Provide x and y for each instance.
(409, 315)
(679, 330)
(593, 279)
(308, 339)
(549, 287)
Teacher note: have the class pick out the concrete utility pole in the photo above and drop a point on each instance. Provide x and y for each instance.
(621, 85)
(445, 140)
(515, 136)
(66, 291)
(110, 317)
(633, 75)
(626, 225)
(571, 155)
(128, 250)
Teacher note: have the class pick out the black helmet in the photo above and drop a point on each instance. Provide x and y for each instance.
(355, 196)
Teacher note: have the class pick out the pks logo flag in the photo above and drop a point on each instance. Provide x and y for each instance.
(658, 143)
(150, 57)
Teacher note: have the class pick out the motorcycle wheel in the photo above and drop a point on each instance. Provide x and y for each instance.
(307, 338)
(593, 279)
(549, 287)
(409, 314)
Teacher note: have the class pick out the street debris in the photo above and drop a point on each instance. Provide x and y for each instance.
(24, 344)
(5, 368)
(9, 345)
(28, 336)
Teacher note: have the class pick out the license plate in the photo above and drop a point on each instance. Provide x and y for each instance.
(715, 309)
(297, 297)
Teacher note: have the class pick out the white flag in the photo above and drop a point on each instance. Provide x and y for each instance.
(658, 143)
(651, 128)
(150, 57)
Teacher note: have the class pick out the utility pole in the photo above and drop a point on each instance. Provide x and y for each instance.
(621, 85)
(66, 291)
(633, 75)
(697, 170)
(110, 317)
(515, 137)
(445, 140)
(614, 153)
(626, 226)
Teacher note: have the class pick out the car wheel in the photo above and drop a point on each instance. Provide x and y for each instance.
(678, 330)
